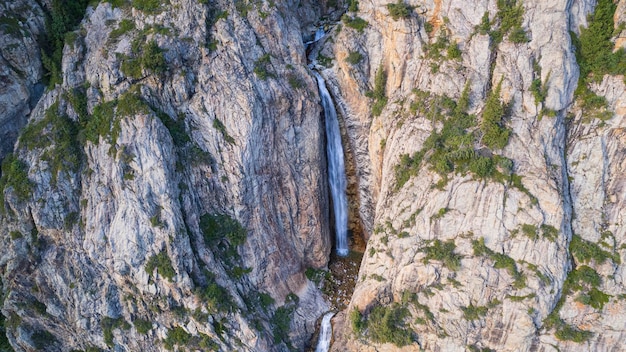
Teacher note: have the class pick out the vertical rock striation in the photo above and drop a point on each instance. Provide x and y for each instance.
(175, 189)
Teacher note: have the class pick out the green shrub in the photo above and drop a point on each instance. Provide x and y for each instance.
(450, 148)
(109, 324)
(585, 251)
(215, 296)
(11, 26)
(501, 261)
(142, 326)
(482, 166)
(356, 23)
(356, 321)
(14, 175)
(495, 134)
(130, 104)
(294, 81)
(485, 25)
(594, 48)
(549, 232)
(428, 27)
(43, 339)
(162, 263)
(281, 320)
(378, 93)
(149, 6)
(518, 36)
(353, 6)
(324, 60)
(131, 67)
(5, 346)
(473, 312)
(218, 125)
(530, 231)
(317, 275)
(219, 227)
(354, 57)
(399, 10)
(177, 337)
(176, 127)
(125, 26)
(261, 67)
(594, 298)
(101, 123)
(386, 324)
(595, 57)
(62, 17)
(153, 59)
(443, 252)
(453, 52)
(567, 332)
(78, 99)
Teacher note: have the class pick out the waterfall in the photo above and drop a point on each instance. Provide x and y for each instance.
(336, 168)
(326, 333)
(319, 34)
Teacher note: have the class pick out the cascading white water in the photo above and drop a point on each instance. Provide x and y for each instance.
(336, 168)
(326, 333)
(319, 34)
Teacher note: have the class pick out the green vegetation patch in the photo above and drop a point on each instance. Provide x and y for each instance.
(435, 51)
(109, 324)
(443, 252)
(144, 57)
(223, 235)
(125, 26)
(583, 279)
(383, 325)
(162, 263)
(584, 251)
(142, 326)
(59, 134)
(495, 134)
(219, 125)
(261, 67)
(378, 93)
(452, 148)
(399, 10)
(595, 57)
(221, 227)
(62, 17)
(176, 127)
(216, 297)
(354, 57)
(15, 175)
(501, 261)
(356, 22)
(4, 341)
(473, 312)
(150, 6)
(43, 339)
(508, 21)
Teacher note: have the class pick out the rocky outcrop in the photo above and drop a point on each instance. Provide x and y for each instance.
(175, 189)
(472, 258)
(21, 25)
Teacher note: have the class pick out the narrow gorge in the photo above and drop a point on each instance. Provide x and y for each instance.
(299, 175)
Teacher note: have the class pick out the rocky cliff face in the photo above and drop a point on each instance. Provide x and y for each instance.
(172, 190)
(487, 234)
(21, 25)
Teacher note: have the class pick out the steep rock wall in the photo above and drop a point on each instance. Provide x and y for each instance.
(175, 189)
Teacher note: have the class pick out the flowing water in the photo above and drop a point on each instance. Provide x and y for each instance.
(326, 333)
(336, 168)
(319, 34)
